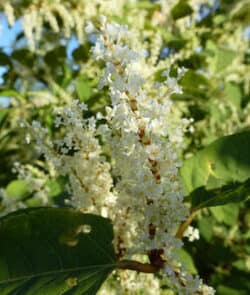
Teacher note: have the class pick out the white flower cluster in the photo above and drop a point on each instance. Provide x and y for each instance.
(144, 145)
(139, 188)
(62, 16)
(185, 284)
(131, 283)
(192, 233)
(78, 155)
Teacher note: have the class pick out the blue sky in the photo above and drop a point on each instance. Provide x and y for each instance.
(7, 37)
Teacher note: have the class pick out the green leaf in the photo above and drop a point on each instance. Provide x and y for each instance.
(224, 290)
(24, 56)
(225, 58)
(231, 193)
(3, 115)
(241, 11)
(221, 57)
(206, 228)
(83, 88)
(192, 78)
(224, 161)
(54, 251)
(4, 59)
(219, 174)
(186, 259)
(11, 93)
(56, 56)
(227, 214)
(17, 189)
(243, 264)
(181, 9)
(81, 54)
(233, 93)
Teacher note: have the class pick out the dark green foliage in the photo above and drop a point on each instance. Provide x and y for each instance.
(235, 192)
(52, 251)
(181, 9)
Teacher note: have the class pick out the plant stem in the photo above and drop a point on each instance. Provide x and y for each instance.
(138, 266)
(182, 228)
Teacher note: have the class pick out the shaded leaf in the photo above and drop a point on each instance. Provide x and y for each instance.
(181, 9)
(231, 193)
(24, 56)
(3, 115)
(4, 59)
(54, 251)
(206, 228)
(241, 11)
(81, 54)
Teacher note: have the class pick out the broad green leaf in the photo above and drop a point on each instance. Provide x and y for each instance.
(17, 189)
(233, 93)
(24, 56)
(219, 173)
(4, 59)
(83, 88)
(221, 57)
(186, 259)
(56, 56)
(81, 54)
(224, 290)
(224, 57)
(235, 192)
(243, 264)
(181, 9)
(54, 251)
(223, 161)
(55, 187)
(227, 214)
(205, 226)
(241, 11)
(192, 78)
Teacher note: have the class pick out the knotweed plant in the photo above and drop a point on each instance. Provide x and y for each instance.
(123, 163)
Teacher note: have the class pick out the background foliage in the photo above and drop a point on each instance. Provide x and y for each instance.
(211, 40)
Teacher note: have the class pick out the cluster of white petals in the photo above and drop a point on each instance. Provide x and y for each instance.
(78, 155)
(61, 16)
(131, 283)
(144, 140)
(192, 233)
(143, 143)
(139, 188)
